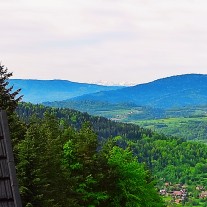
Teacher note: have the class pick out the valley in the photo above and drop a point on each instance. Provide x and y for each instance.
(175, 106)
(172, 160)
(188, 128)
(168, 141)
(186, 122)
(106, 103)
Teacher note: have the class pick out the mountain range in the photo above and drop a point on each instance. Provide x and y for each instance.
(172, 92)
(37, 91)
(175, 91)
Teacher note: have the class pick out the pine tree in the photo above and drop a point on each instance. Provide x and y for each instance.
(8, 97)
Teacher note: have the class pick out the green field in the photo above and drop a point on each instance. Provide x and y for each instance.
(188, 122)
(189, 128)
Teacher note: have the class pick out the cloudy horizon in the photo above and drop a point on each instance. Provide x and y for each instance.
(112, 41)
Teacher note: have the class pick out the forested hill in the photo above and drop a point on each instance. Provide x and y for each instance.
(61, 165)
(175, 91)
(105, 128)
(170, 159)
(37, 91)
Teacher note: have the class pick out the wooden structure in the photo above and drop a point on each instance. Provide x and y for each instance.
(9, 192)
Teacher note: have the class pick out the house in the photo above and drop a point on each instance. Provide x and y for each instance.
(177, 194)
(199, 188)
(163, 192)
(203, 194)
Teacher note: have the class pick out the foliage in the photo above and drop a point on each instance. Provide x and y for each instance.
(186, 122)
(54, 158)
(169, 159)
(102, 126)
(8, 97)
(134, 186)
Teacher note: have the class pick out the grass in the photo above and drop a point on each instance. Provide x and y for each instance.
(189, 128)
(188, 123)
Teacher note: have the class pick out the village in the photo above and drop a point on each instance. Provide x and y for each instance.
(178, 193)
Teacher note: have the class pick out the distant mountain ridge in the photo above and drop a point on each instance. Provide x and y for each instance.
(175, 91)
(37, 91)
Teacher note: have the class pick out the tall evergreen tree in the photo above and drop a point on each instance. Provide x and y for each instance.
(8, 97)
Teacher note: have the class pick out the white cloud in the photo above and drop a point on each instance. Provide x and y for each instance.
(115, 40)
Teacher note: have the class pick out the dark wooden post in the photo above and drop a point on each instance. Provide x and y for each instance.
(9, 191)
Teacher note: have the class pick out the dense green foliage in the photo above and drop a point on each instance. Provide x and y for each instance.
(173, 160)
(170, 159)
(8, 98)
(60, 166)
(186, 122)
(104, 127)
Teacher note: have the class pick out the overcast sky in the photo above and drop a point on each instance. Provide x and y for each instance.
(118, 41)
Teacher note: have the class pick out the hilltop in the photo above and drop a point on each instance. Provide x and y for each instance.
(175, 91)
(37, 91)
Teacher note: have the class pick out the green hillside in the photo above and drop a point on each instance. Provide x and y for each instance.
(189, 128)
(169, 159)
(186, 122)
(120, 111)
(58, 151)
(60, 164)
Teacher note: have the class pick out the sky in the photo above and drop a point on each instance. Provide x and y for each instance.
(103, 41)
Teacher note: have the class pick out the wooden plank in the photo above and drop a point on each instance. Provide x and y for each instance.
(9, 191)
(2, 148)
(4, 171)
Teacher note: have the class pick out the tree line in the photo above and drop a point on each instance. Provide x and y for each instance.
(65, 165)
